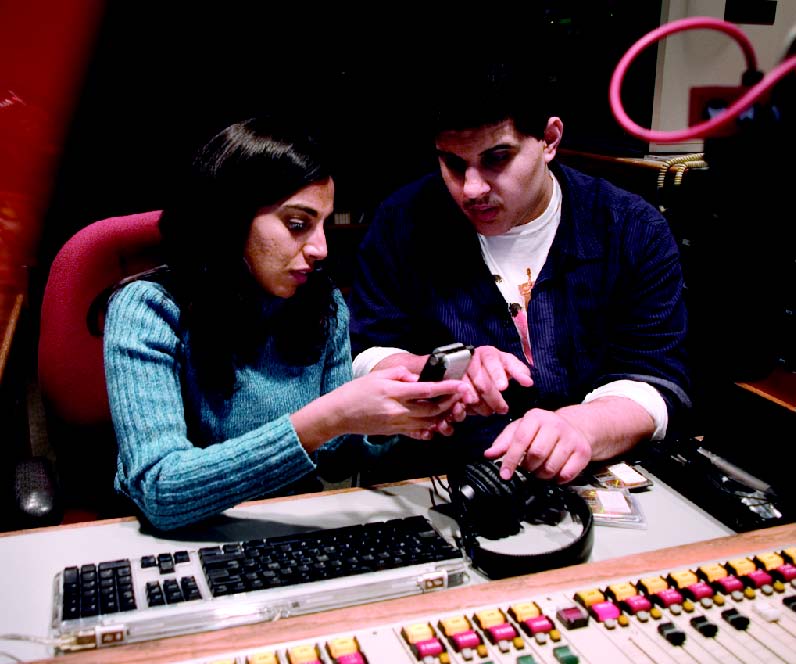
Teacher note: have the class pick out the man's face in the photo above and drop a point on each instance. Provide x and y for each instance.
(497, 176)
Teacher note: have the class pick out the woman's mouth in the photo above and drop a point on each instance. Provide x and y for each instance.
(300, 276)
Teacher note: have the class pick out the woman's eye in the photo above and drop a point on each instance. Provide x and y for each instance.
(296, 225)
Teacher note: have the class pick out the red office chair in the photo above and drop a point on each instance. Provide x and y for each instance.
(71, 370)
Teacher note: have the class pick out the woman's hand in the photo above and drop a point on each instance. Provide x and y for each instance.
(392, 401)
(384, 402)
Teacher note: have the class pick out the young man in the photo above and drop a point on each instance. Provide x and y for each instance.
(569, 288)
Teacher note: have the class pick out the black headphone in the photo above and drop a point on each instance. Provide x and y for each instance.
(485, 505)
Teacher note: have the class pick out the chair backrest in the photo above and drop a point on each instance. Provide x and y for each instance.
(71, 369)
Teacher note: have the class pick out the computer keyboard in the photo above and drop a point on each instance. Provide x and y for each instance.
(184, 591)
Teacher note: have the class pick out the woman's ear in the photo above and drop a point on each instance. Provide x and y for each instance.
(553, 133)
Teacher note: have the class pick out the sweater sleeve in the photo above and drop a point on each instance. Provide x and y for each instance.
(172, 481)
(345, 455)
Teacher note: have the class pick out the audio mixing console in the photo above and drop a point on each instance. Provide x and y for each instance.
(741, 609)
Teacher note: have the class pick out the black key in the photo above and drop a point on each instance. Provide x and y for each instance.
(71, 608)
(166, 566)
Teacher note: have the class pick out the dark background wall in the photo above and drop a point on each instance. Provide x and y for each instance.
(165, 76)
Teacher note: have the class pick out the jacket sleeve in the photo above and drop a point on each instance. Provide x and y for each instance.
(650, 321)
(380, 312)
(172, 481)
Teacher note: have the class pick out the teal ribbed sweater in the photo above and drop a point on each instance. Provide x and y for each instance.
(183, 456)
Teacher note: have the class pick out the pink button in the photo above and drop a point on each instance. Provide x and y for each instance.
(538, 624)
(699, 590)
(668, 597)
(467, 639)
(760, 578)
(351, 658)
(786, 572)
(729, 584)
(637, 603)
(604, 611)
(431, 647)
(504, 632)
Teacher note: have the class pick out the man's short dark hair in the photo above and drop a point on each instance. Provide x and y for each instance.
(487, 94)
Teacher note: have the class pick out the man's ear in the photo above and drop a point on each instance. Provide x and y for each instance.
(553, 133)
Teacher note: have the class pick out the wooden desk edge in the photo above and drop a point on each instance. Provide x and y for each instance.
(263, 635)
(779, 387)
(9, 324)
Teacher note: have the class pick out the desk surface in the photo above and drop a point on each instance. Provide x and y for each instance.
(30, 559)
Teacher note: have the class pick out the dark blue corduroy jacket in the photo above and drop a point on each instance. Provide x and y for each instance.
(608, 303)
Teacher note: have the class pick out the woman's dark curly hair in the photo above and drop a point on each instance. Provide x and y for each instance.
(244, 168)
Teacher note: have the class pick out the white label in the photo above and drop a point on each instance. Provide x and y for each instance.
(627, 474)
(613, 501)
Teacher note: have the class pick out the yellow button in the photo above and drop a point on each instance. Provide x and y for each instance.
(589, 597)
(713, 572)
(718, 599)
(481, 650)
(623, 620)
(554, 635)
(454, 625)
(344, 645)
(262, 658)
(519, 644)
(444, 658)
(688, 606)
(779, 586)
(742, 566)
(490, 618)
(749, 593)
(770, 561)
(418, 632)
(655, 612)
(622, 590)
(653, 584)
(683, 578)
(303, 654)
(525, 610)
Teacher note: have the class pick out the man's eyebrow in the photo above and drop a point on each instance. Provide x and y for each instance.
(500, 146)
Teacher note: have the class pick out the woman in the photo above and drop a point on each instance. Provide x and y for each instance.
(228, 368)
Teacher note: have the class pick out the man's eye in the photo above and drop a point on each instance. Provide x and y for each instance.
(497, 159)
(454, 165)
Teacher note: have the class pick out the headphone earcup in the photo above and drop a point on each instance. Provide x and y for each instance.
(489, 503)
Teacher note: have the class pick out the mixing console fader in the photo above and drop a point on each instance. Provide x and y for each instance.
(738, 610)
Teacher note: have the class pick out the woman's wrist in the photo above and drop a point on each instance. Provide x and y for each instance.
(318, 422)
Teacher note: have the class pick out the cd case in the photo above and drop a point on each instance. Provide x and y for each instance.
(613, 507)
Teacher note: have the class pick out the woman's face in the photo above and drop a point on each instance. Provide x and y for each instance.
(287, 238)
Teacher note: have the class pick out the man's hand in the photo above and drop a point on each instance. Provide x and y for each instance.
(544, 443)
(489, 373)
(558, 445)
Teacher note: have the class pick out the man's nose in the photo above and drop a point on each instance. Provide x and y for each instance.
(475, 185)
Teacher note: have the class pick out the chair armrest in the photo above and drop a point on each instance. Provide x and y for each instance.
(36, 497)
